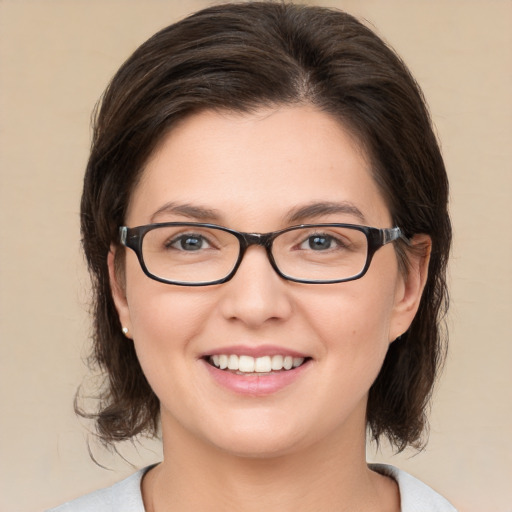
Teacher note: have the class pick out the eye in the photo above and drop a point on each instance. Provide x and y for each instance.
(320, 242)
(189, 242)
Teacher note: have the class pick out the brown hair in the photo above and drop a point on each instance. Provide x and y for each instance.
(240, 57)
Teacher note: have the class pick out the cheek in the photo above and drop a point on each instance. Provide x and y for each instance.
(164, 320)
(164, 317)
(157, 310)
(350, 326)
(353, 325)
(166, 324)
(354, 315)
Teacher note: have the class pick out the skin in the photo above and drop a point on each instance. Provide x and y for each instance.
(303, 447)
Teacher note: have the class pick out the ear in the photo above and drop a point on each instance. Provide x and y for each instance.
(410, 285)
(118, 289)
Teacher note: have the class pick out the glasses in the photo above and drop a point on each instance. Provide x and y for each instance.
(197, 254)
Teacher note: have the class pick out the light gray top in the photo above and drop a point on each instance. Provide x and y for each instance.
(125, 496)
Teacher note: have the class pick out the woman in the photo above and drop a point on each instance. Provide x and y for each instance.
(265, 220)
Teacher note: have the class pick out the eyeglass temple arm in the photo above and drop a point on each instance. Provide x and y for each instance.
(123, 231)
(392, 234)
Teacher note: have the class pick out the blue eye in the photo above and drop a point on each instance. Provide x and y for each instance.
(319, 243)
(189, 242)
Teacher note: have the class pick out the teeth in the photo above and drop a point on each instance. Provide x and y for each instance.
(223, 362)
(245, 364)
(248, 364)
(277, 362)
(233, 362)
(263, 364)
(297, 361)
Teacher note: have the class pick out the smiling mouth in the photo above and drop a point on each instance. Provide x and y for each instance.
(247, 365)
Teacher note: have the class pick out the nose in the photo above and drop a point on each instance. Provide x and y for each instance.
(256, 294)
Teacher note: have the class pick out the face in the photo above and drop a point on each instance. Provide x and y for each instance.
(253, 173)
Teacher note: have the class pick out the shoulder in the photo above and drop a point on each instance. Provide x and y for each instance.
(415, 496)
(125, 495)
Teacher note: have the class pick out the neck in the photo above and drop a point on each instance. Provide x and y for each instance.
(332, 475)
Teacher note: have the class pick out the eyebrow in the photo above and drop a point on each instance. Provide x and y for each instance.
(296, 215)
(315, 210)
(194, 212)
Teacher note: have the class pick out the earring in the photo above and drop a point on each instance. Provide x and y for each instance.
(125, 331)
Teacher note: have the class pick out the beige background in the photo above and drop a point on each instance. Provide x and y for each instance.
(55, 59)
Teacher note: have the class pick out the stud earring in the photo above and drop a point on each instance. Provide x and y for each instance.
(125, 331)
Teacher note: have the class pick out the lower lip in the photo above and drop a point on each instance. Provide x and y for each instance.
(254, 384)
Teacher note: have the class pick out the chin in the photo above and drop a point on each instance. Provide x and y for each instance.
(258, 439)
(256, 447)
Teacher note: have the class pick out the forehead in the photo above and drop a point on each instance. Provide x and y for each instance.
(257, 165)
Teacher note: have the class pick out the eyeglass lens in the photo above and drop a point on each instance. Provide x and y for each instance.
(195, 254)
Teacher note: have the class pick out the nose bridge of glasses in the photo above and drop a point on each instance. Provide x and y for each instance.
(263, 239)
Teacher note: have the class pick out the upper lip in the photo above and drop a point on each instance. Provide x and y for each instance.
(255, 351)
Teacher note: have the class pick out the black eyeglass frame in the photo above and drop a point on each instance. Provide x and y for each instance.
(376, 237)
